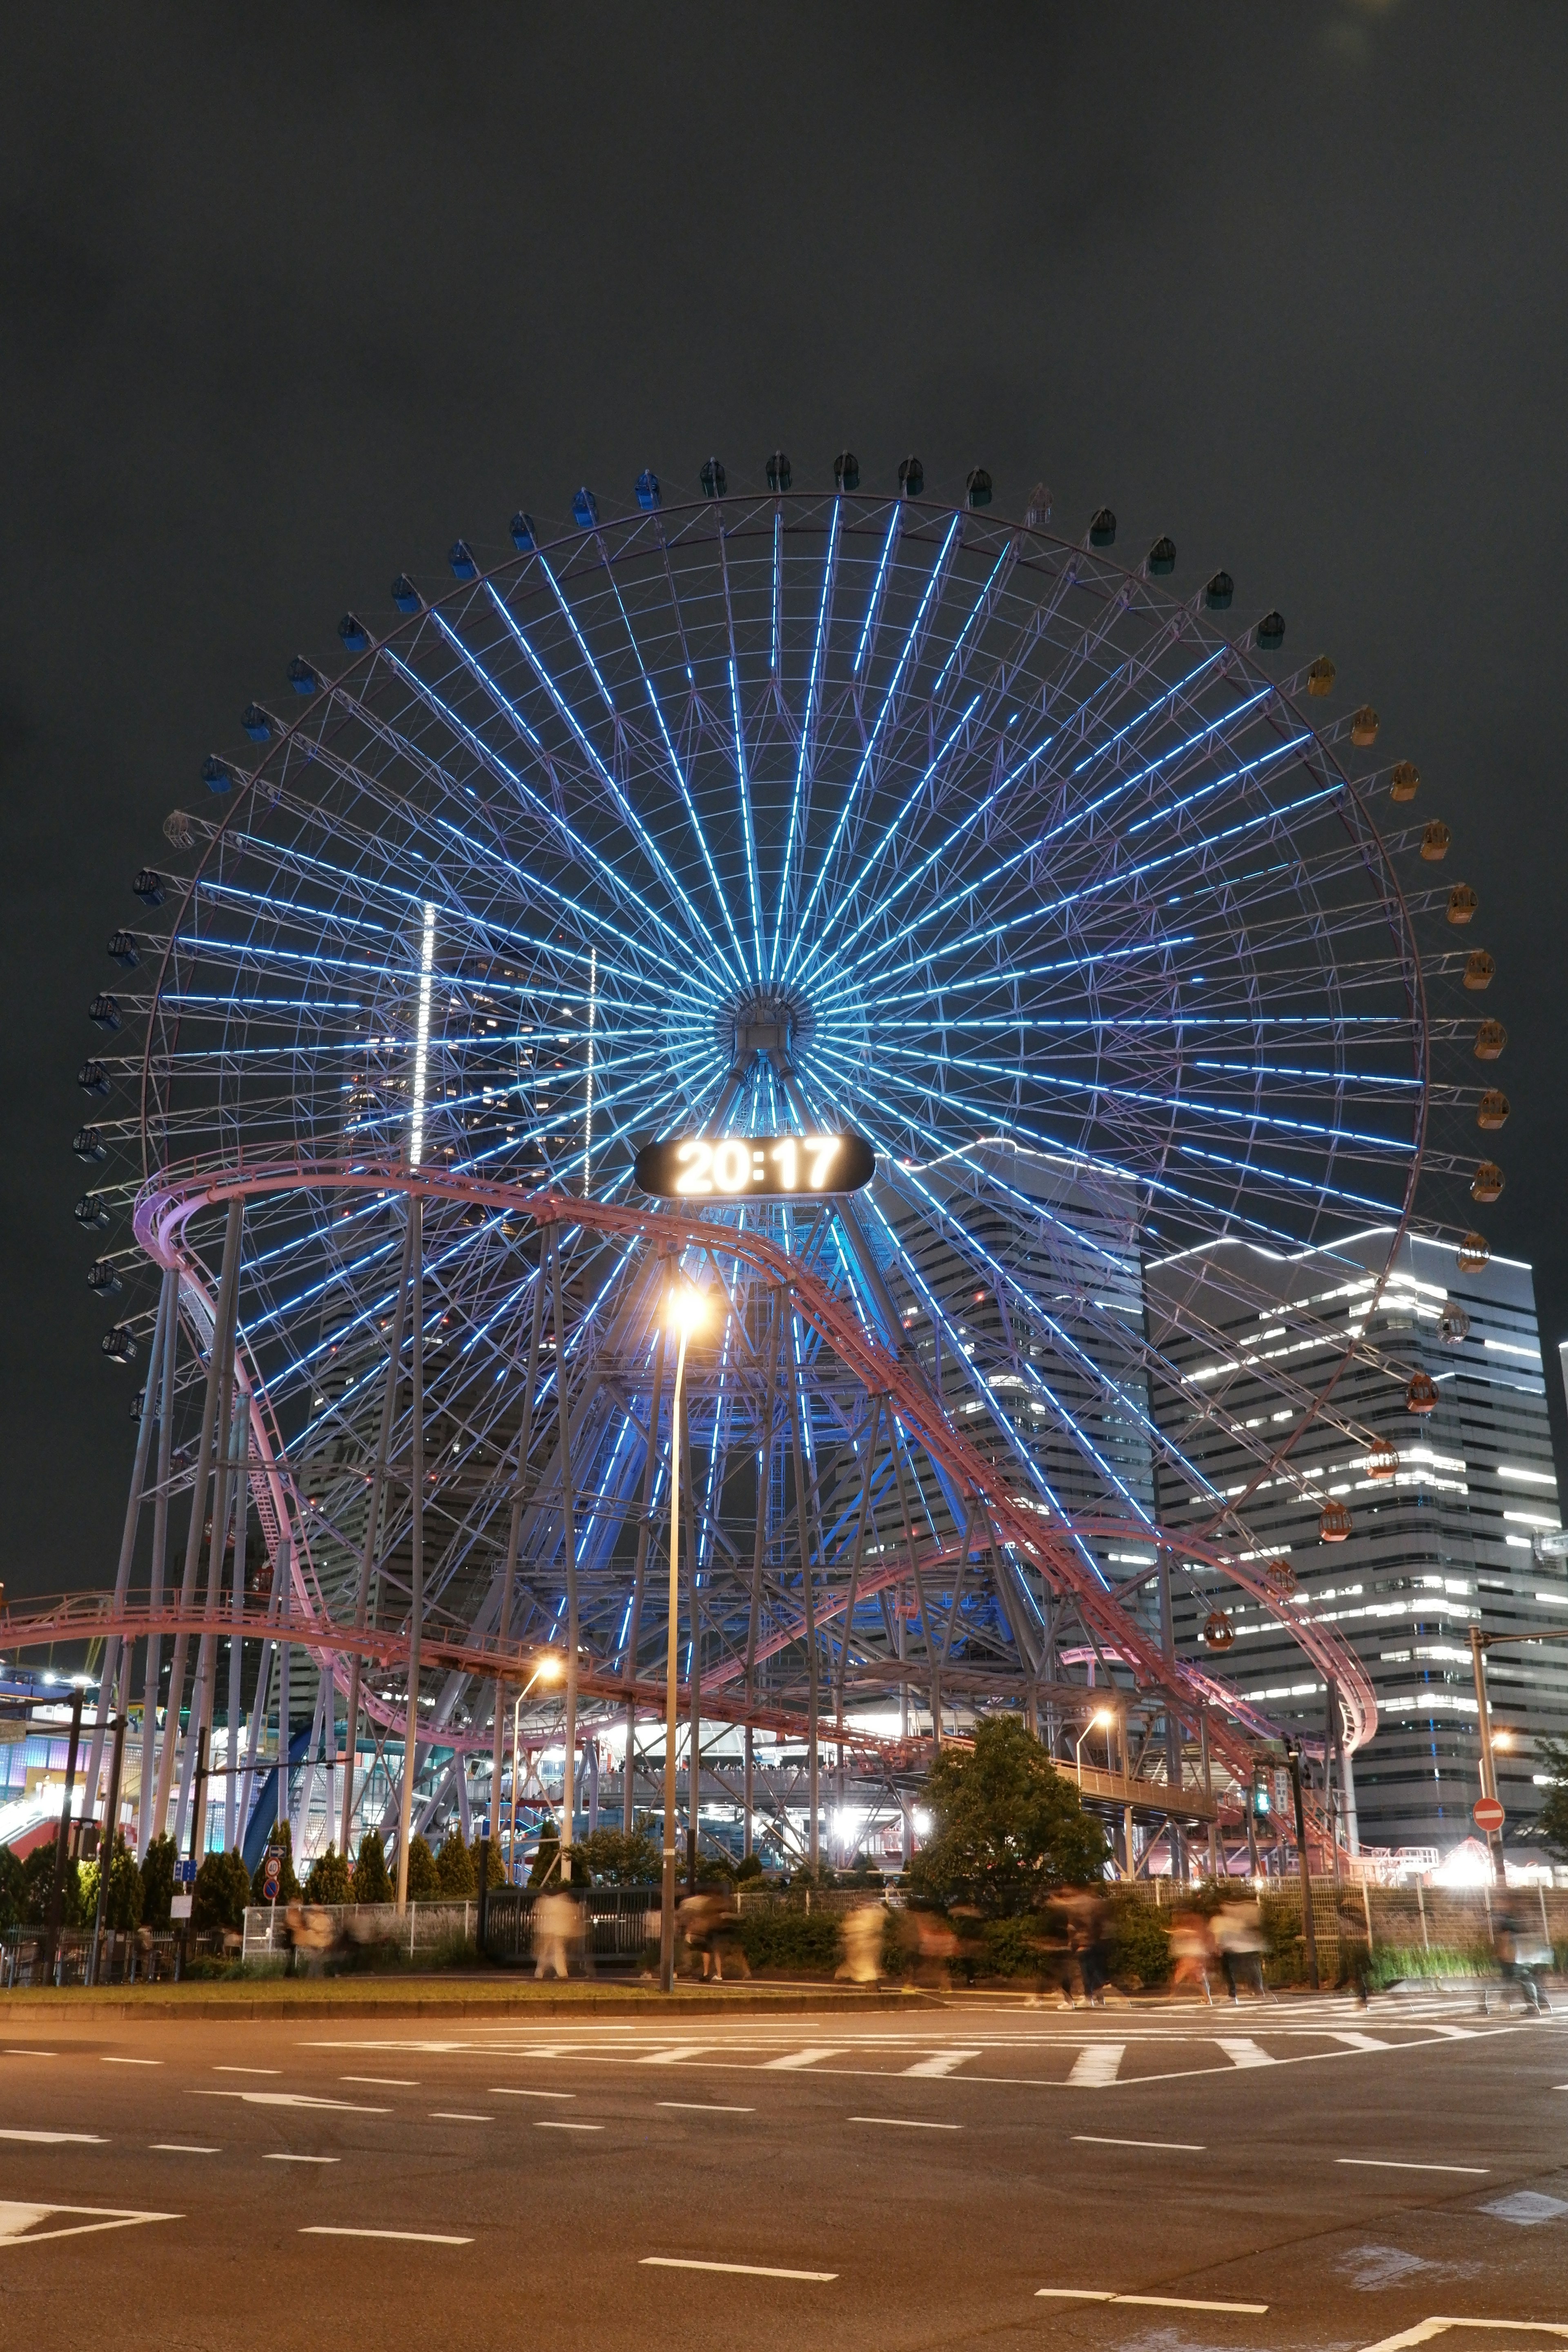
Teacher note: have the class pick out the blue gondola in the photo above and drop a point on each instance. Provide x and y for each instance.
(149, 887)
(1219, 592)
(977, 488)
(712, 479)
(92, 1078)
(257, 723)
(778, 472)
(404, 594)
(217, 774)
(460, 556)
(87, 1143)
(354, 634)
(105, 1012)
(649, 495)
(586, 510)
(122, 947)
(522, 538)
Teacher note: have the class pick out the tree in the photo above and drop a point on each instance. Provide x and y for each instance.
(158, 1881)
(220, 1894)
(372, 1883)
(547, 1859)
(424, 1878)
(748, 1868)
(123, 1909)
(12, 1888)
(610, 1858)
(1554, 1818)
(282, 1838)
(330, 1879)
(39, 1880)
(495, 1871)
(1010, 1828)
(455, 1869)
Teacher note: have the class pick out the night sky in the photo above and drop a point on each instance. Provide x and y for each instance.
(292, 297)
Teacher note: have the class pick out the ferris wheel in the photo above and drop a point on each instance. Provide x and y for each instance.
(1037, 887)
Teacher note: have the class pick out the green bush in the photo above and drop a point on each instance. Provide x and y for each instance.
(806, 1943)
(455, 1869)
(748, 1868)
(157, 1882)
(12, 1888)
(282, 1838)
(495, 1868)
(610, 1858)
(329, 1878)
(1140, 1943)
(1010, 1947)
(122, 1910)
(1010, 1828)
(371, 1882)
(424, 1878)
(220, 1894)
(38, 1882)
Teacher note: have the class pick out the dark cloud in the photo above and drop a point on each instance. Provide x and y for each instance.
(292, 296)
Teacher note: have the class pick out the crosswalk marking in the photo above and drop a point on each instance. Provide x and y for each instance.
(1357, 2041)
(942, 2062)
(800, 2058)
(673, 2057)
(1246, 2053)
(1101, 2063)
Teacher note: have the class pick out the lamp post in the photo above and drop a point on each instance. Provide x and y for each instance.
(1101, 1720)
(684, 1314)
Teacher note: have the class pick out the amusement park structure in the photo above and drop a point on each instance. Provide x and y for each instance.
(979, 924)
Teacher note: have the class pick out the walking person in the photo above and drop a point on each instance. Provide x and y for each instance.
(554, 1924)
(1239, 1933)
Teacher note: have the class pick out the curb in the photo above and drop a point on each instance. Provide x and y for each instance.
(211, 2000)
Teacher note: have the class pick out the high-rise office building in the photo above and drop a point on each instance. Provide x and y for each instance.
(1452, 1538)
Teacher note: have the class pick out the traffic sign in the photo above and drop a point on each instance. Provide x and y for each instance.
(1488, 1814)
(272, 1877)
(185, 1870)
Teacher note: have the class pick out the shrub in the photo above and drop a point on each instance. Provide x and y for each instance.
(283, 1837)
(122, 1910)
(371, 1881)
(12, 1888)
(329, 1878)
(610, 1858)
(1010, 1828)
(157, 1881)
(1140, 1943)
(495, 1869)
(454, 1871)
(804, 1942)
(749, 1868)
(39, 1883)
(424, 1878)
(221, 1892)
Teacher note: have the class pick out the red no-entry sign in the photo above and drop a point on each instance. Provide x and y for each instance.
(1488, 1814)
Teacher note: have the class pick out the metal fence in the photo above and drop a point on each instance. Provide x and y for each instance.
(136, 1958)
(619, 1922)
(425, 1927)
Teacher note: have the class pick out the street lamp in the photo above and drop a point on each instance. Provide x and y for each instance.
(685, 1312)
(547, 1669)
(1101, 1720)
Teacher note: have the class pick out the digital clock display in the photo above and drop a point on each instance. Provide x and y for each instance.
(754, 1167)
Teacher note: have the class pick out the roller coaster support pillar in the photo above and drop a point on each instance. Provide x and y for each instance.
(165, 1402)
(1309, 1926)
(569, 1533)
(62, 1843)
(671, 1691)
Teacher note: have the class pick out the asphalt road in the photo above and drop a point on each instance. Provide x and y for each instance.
(984, 2174)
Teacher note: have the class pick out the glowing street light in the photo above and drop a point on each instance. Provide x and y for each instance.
(1100, 1720)
(686, 1311)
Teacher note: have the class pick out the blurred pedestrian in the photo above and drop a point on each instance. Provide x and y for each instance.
(554, 1923)
(1088, 1944)
(1239, 1933)
(1193, 1952)
(863, 1930)
(1518, 1958)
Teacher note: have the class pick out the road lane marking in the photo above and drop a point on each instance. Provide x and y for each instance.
(57, 2139)
(283, 2155)
(16, 2221)
(129, 2062)
(290, 2099)
(180, 2147)
(548, 2123)
(673, 2057)
(800, 2058)
(1244, 2054)
(405, 2237)
(32, 2053)
(247, 2070)
(1187, 2147)
(1446, 2032)
(1427, 2328)
(1393, 2164)
(1359, 2041)
(942, 2062)
(396, 2082)
(1099, 2064)
(706, 2108)
(507, 2091)
(1161, 2302)
(740, 2270)
(456, 2116)
(905, 2123)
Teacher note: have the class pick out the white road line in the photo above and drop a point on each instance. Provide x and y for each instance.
(180, 2147)
(706, 2107)
(1246, 2053)
(799, 2058)
(740, 2270)
(393, 2082)
(32, 2053)
(1161, 2302)
(506, 2091)
(1446, 2033)
(1358, 2041)
(57, 2139)
(905, 2123)
(405, 2237)
(1394, 2164)
(282, 2155)
(673, 2057)
(942, 2062)
(16, 2219)
(1099, 2139)
(456, 2116)
(1099, 2064)
(129, 2062)
(290, 2099)
(247, 2070)
(548, 2123)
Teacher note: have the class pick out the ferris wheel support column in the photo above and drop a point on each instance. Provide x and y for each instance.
(228, 1286)
(1173, 1721)
(634, 1625)
(372, 1528)
(417, 1592)
(127, 1551)
(237, 1639)
(160, 1552)
(803, 1527)
(759, 1545)
(672, 1663)
(569, 1536)
(513, 1538)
